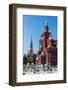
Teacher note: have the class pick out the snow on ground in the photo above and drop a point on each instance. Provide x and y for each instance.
(38, 69)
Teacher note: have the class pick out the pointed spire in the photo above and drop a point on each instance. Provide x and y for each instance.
(31, 45)
(46, 26)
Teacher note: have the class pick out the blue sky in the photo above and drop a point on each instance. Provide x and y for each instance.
(34, 25)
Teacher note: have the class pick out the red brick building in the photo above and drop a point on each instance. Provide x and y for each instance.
(47, 48)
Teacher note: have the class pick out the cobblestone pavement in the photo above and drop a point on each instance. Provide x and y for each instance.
(38, 69)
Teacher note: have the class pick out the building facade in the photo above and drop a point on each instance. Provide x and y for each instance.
(47, 48)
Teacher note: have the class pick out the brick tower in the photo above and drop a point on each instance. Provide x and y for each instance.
(47, 47)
